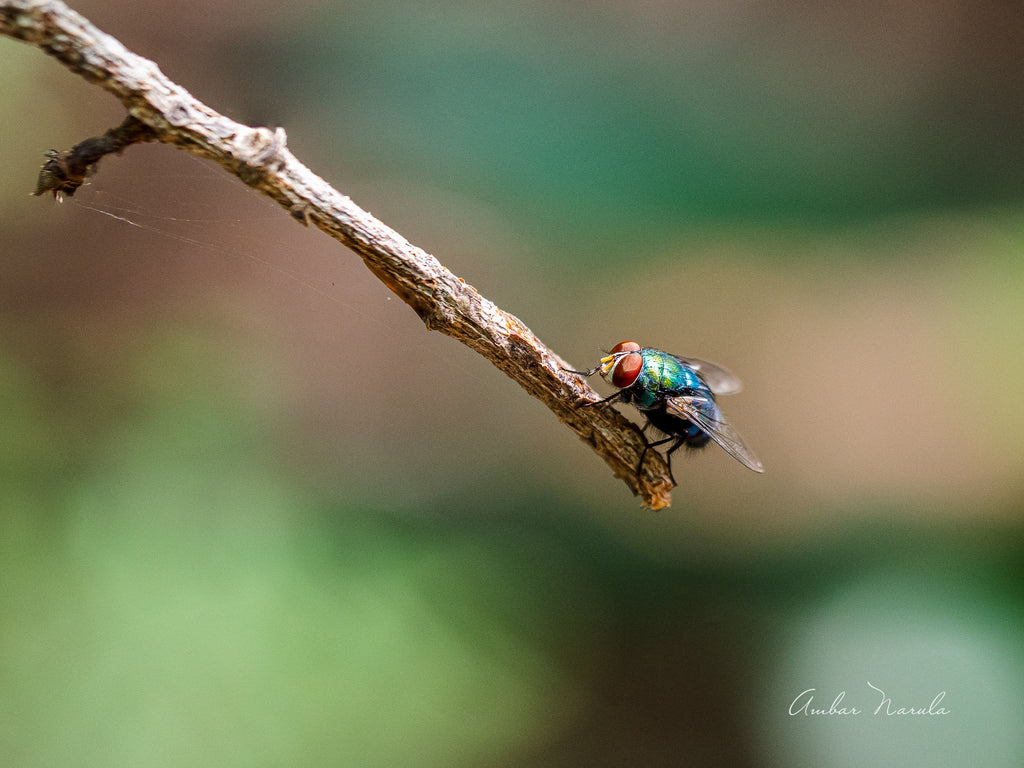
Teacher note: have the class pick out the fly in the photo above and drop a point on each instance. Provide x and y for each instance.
(676, 395)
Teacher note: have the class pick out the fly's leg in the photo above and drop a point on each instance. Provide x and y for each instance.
(622, 394)
(668, 457)
(587, 374)
(668, 453)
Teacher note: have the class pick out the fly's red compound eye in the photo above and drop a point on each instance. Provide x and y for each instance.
(628, 363)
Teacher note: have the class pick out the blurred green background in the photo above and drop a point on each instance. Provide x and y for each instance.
(252, 513)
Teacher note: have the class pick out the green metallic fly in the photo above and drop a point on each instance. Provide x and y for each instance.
(677, 397)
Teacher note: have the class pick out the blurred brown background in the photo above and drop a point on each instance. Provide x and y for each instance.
(253, 513)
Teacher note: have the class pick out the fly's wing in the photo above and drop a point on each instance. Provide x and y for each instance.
(717, 428)
(719, 380)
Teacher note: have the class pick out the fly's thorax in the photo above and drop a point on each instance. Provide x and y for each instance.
(660, 375)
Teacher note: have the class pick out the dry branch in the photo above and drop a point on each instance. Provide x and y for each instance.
(160, 110)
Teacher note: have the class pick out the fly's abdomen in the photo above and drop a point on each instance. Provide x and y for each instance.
(672, 425)
(696, 437)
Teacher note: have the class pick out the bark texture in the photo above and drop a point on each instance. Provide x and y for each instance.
(161, 110)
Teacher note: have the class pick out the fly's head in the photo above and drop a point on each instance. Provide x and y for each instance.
(623, 364)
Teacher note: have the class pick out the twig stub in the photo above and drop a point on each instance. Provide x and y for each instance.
(64, 172)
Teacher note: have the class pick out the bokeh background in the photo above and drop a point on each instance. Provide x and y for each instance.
(252, 513)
